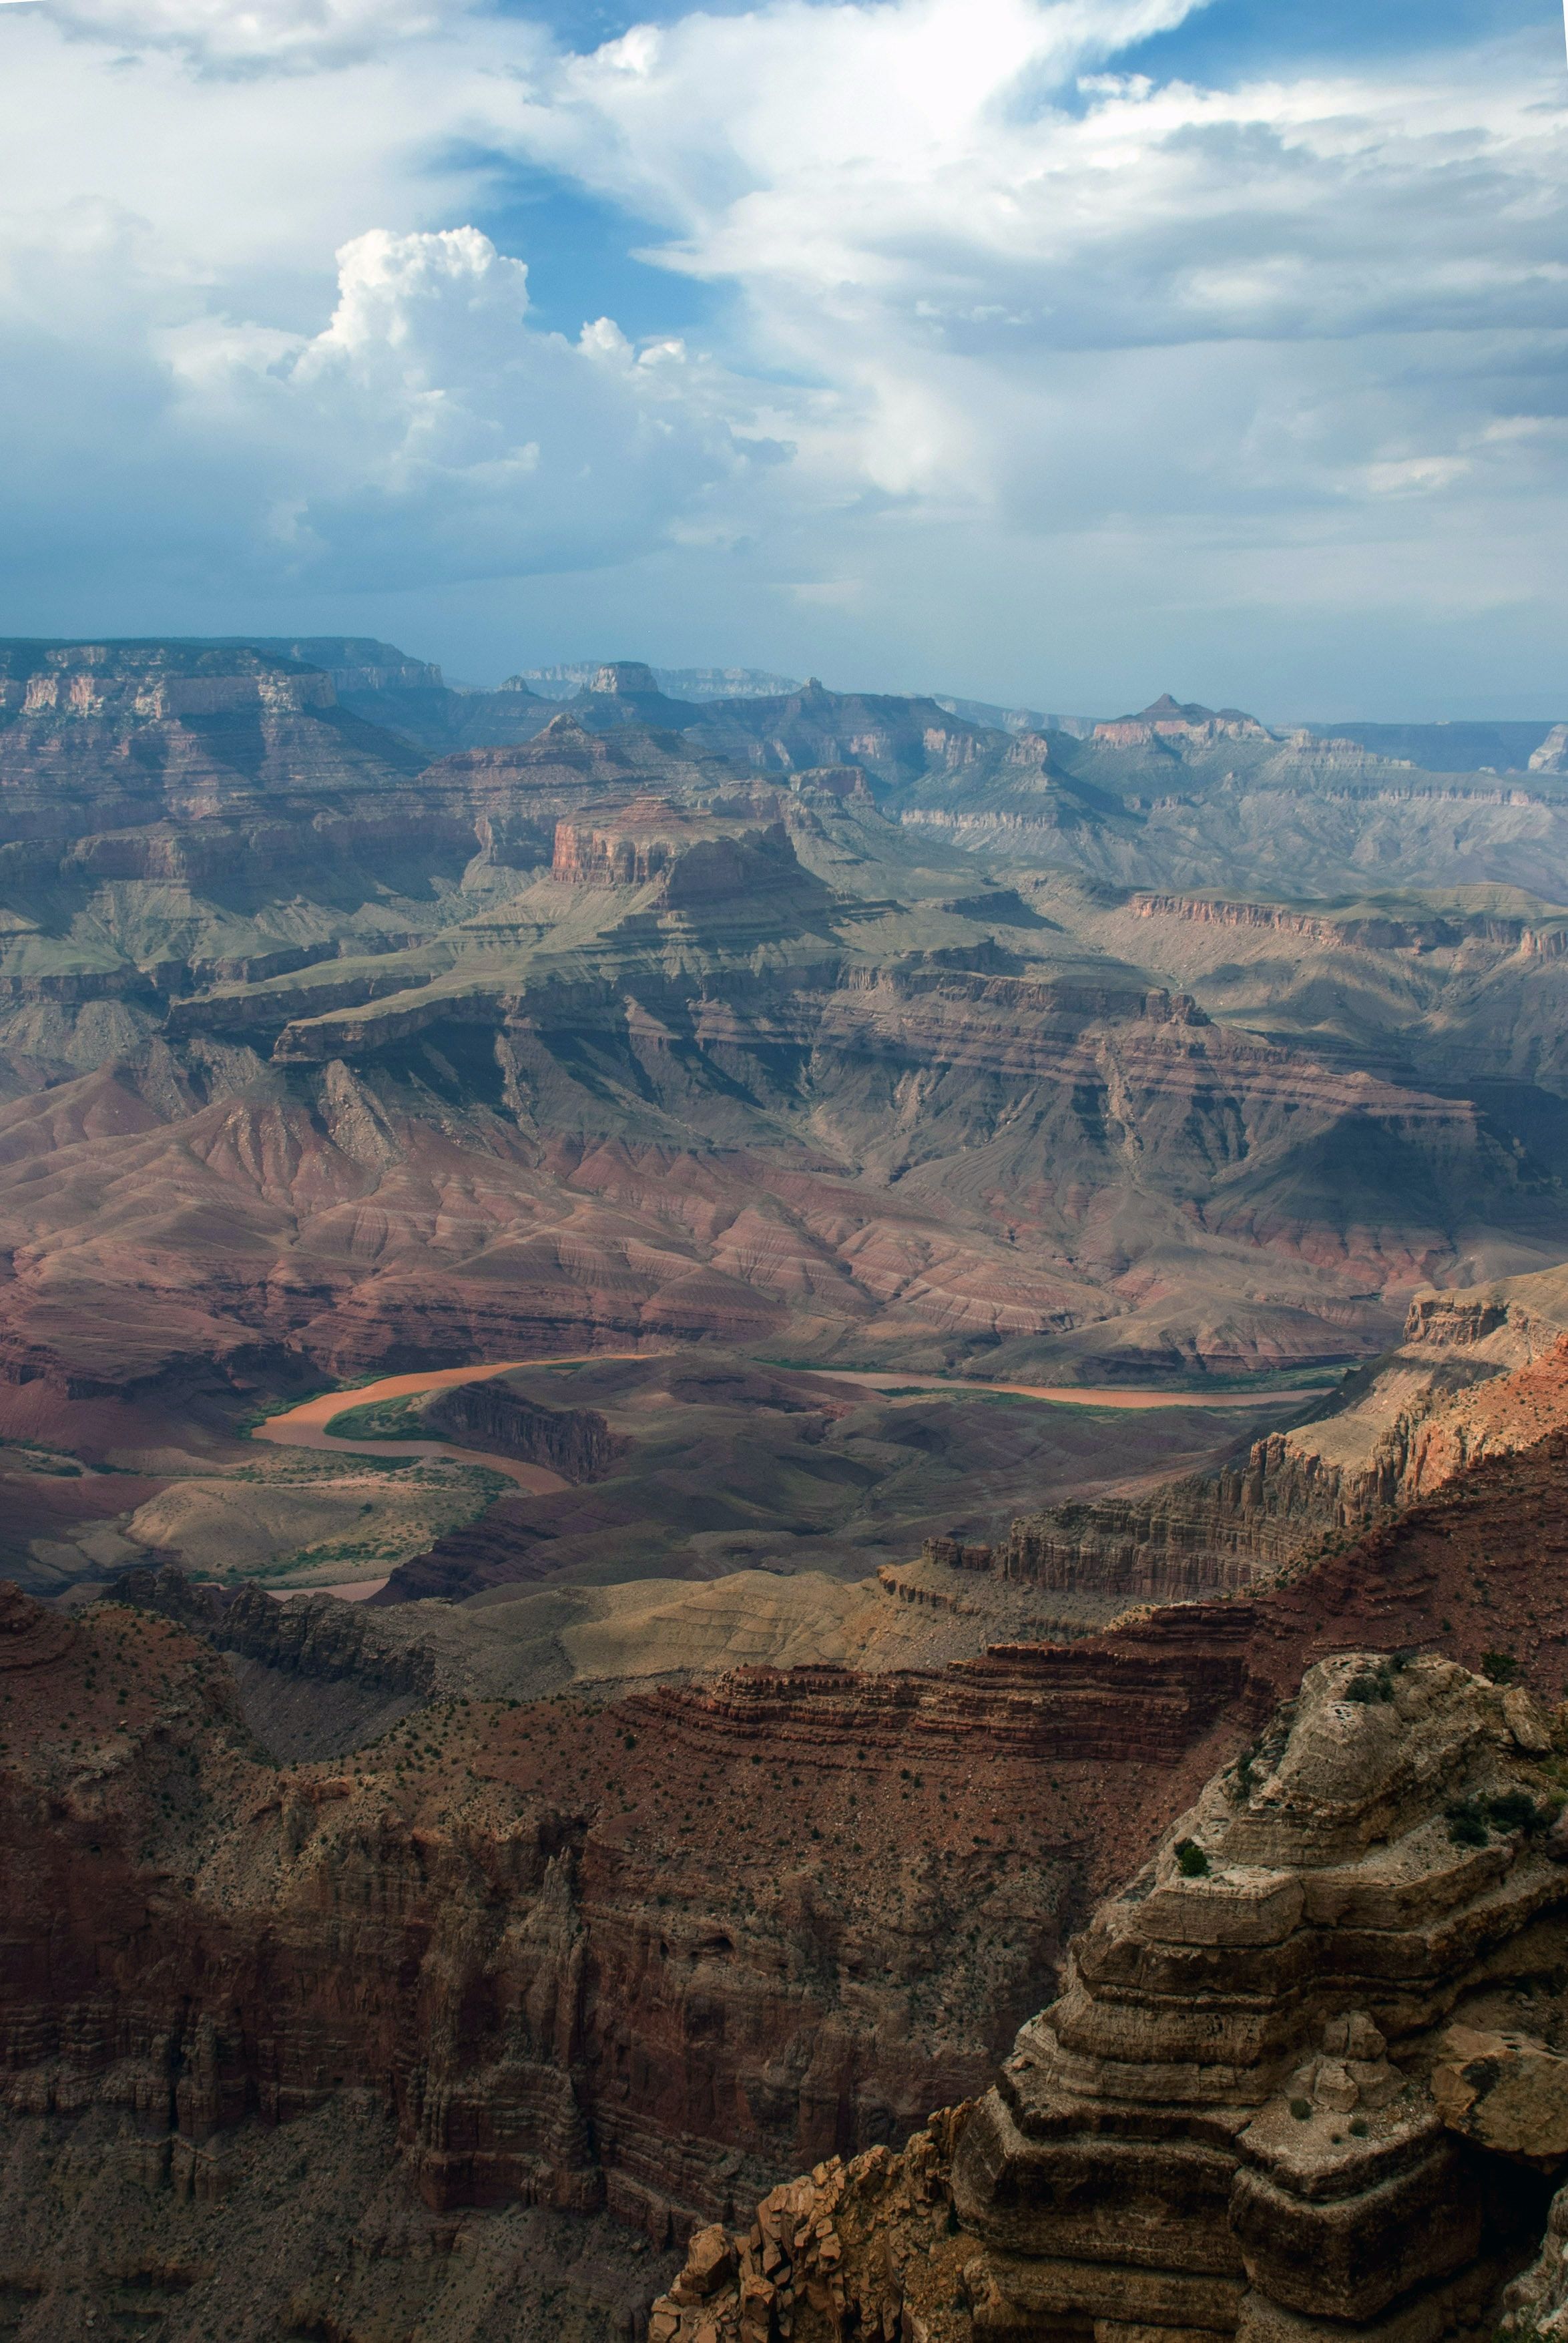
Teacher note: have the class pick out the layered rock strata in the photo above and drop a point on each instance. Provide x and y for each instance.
(263, 971)
(584, 1955)
(1228, 2114)
(1257, 2106)
(1391, 1436)
(575, 1441)
(661, 1952)
(307, 2230)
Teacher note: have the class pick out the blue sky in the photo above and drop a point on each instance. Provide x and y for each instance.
(1055, 350)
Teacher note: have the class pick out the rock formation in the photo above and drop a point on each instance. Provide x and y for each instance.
(758, 1064)
(719, 857)
(1392, 1434)
(1176, 724)
(1266, 2101)
(575, 1441)
(655, 1954)
(1551, 757)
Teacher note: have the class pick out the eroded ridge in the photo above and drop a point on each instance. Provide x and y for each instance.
(1303, 2075)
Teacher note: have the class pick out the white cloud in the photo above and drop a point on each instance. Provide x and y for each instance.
(425, 432)
(295, 35)
(962, 210)
(993, 292)
(427, 429)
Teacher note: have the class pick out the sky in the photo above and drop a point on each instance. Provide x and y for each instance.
(1059, 352)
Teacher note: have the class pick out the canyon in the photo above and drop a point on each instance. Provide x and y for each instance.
(643, 1955)
(1283, 2087)
(705, 1160)
(456, 1070)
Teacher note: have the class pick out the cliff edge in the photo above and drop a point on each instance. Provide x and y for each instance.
(1304, 2077)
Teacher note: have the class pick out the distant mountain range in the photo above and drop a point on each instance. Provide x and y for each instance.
(679, 682)
(388, 685)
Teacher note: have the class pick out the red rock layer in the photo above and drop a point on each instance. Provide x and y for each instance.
(1232, 1529)
(659, 1952)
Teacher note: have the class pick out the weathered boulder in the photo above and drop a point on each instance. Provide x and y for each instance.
(1508, 2091)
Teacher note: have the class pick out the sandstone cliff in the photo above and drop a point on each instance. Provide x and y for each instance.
(575, 1441)
(1393, 1434)
(659, 1952)
(1269, 2099)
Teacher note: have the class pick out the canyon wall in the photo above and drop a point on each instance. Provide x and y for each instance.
(1394, 1433)
(655, 1955)
(1272, 2097)
(659, 1952)
(300, 1040)
(575, 1441)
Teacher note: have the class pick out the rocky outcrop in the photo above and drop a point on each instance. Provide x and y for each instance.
(94, 735)
(893, 738)
(1247, 2034)
(311, 1635)
(691, 860)
(868, 2249)
(660, 1953)
(1197, 1536)
(315, 1676)
(147, 683)
(1175, 1674)
(1536, 2303)
(1260, 2105)
(1180, 724)
(1394, 1434)
(1551, 757)
(575, 1441)
(1369, 929)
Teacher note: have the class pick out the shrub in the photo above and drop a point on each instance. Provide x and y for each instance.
(1466, 1822)
(1500, 1666)
(1301, 2109)
(1514, 1810)
(1191, 1860)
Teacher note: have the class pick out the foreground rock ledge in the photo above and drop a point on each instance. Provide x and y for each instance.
(1303, 2077)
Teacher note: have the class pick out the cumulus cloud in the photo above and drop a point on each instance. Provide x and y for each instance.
(425, 432)
(997, 302)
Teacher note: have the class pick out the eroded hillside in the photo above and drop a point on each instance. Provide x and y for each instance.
(319, 1056)
(654, 1955)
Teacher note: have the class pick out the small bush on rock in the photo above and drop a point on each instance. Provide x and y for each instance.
(1466, 1822)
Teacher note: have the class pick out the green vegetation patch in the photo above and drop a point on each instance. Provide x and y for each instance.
(381, 1419)
(284, 1403)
